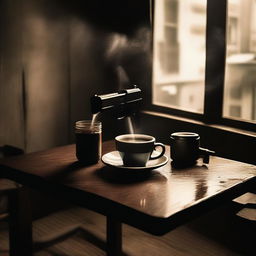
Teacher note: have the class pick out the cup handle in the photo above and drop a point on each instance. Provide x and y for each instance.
(205, 154)
(161, 154)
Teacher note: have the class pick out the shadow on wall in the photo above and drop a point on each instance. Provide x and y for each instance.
(123, 17)
(66, 52)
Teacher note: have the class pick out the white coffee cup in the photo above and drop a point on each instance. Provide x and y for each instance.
(136, 149)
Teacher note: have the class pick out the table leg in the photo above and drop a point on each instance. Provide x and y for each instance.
(114, 237)
(20, 223)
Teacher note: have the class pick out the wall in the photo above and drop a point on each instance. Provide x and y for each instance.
(11, 107)
(57, 54)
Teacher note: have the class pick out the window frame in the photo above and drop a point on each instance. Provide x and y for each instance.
(214, 72)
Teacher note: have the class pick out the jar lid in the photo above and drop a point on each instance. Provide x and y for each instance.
(84, 123)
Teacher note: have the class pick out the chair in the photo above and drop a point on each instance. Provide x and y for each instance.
(246, 219)
(15, 210)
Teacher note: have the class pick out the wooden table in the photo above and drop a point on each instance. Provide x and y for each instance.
(155, 202)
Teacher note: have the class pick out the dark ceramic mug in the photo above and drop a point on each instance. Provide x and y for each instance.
(186, 150)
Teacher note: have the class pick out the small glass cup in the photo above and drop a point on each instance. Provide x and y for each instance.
(88, 141)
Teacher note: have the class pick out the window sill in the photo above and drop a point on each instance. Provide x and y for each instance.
(227, 142)
(192, 121)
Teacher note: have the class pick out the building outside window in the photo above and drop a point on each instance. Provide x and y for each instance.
(179, 66)
(240, 78)
(179, 54)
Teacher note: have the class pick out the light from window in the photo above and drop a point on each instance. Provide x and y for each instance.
(179, 54)
(240, 78)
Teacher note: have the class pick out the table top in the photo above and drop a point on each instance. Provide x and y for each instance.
(155, 201)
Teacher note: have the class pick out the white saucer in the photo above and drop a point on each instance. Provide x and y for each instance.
(113, 159)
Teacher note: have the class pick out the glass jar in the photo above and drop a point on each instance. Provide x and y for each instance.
(88, 141)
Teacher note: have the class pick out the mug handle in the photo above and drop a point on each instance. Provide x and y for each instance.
(161, 154)
(205, 154)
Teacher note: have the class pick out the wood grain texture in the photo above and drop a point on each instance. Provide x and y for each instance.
(155, 201)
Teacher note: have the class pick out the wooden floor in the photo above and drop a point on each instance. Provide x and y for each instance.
(79, 232)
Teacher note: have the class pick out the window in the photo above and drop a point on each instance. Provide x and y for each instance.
(204, 60)
(240, 78)
(179, 54)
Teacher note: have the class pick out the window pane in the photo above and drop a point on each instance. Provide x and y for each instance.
(240, 79)
(179, 54)
(171, 15)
